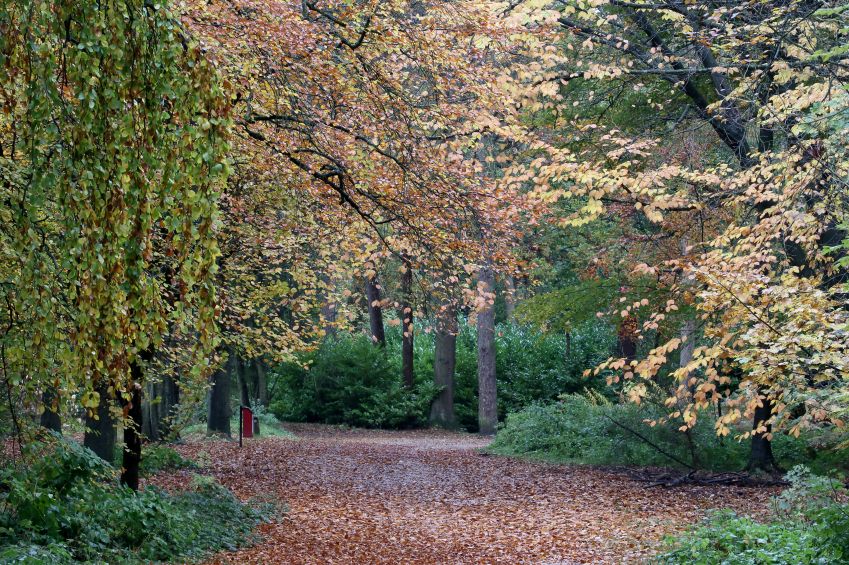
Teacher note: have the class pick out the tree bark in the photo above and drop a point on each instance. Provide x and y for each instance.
(261, 382)
(50, 418)
(132, 435)
(626, 339)
(100, 434)
(241, 374)
(509, 297)
(406, 316)
(375, 312)
(487, 401)
(760, 455)
(159, 404)
(445, 360)
(218, 418)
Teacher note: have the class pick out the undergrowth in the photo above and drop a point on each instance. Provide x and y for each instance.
(65, 505)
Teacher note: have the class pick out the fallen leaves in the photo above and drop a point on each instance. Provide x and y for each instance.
(431, 497)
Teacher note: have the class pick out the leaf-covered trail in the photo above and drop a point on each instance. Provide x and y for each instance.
(432, 497)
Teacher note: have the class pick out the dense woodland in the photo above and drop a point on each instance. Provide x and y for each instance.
(605, 232)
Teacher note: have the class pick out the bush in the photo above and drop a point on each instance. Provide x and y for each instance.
(350, 381)
(349, 376)
(67, 505)
(585, 429)
(158, 457)
(809, 527)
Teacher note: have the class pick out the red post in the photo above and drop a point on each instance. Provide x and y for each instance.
(247, 422)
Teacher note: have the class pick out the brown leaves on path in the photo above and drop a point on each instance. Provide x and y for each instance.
(431, 497)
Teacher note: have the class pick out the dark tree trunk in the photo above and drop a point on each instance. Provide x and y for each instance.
(50, 417)
(159, 406)
(445, 358)
(100, 434)
(627, 338)
(132, 437)
(241, 373)
(375, 312)
(218, 418)
(760, 456)
(487, 401)
(406, 317)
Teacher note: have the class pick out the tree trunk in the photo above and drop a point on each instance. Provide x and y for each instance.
(760, 455)
(375, 312)
(218, 418)
(261, 382)
(627, 339)
(329, 309)
(406, 317)
(159, 405)
(132, 428)
(487, 402)
(100, 434)
(509, 297)
(445, 358)
(242, 376)
(50, 417)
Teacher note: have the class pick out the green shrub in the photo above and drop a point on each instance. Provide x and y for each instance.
(67, 505)
(589, 429)
(157, 457)
(585, 429)
(809, 526)
(350, 381)
(349, 376)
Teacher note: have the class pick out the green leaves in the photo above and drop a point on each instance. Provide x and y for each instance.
(119, 134)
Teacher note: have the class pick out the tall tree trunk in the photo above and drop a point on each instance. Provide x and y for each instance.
(445, 360)
(487, 401)
(261, 382)
(159, 405)
(100, 434)
(218, 418)
(329, 308)
(375, 312)
(760, 455)
(132, 435)
(50, 417)
(509, 297)
(133, 422)
(406, 316)
(242, 376)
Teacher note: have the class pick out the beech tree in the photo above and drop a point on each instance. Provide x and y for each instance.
(760, 77)
(112, 142)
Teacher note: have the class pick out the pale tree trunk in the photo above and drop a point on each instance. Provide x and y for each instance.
(509, 297)
(218, 418)
(487, 401)
(100, 434)
(261, 382)
(406, 317)
(375, 312)
(445, 360)
(329, 309)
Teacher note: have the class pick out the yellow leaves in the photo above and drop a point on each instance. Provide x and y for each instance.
(90, 399)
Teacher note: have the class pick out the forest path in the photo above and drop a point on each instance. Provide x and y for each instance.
(358, 496)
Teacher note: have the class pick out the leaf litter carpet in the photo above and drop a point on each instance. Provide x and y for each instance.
(358, 496)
